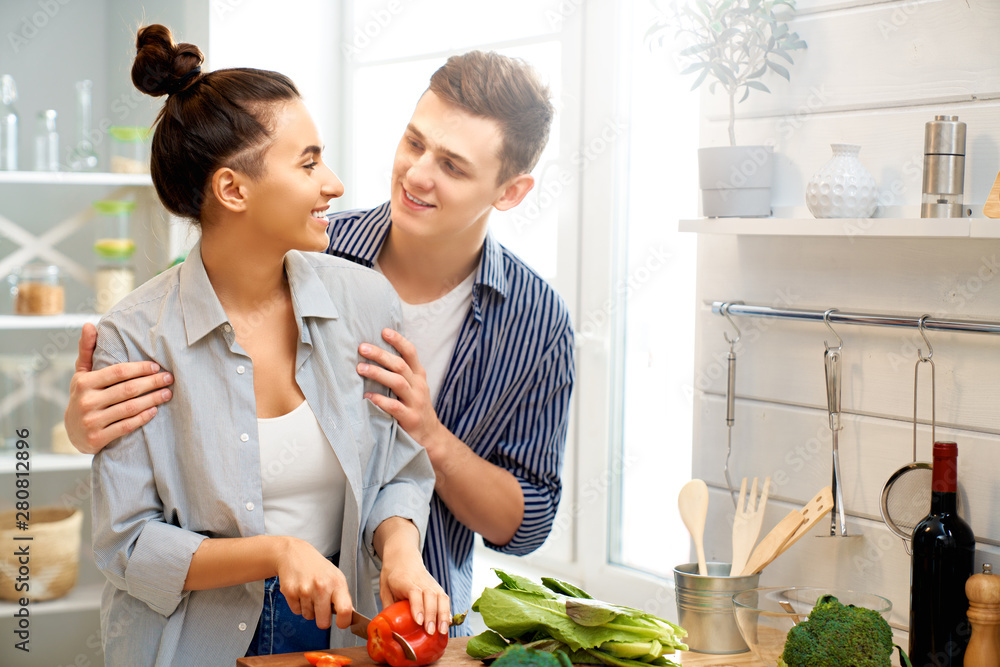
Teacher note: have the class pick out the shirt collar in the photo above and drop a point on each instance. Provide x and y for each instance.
(373, 229)
(203, 313)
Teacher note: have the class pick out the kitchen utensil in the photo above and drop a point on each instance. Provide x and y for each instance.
(771, 545)
(730, 394)
(983, 591)
(359, 628)
(747, 522)
(944, 168)
(991, 209)
(813, 513)
(831, 365)
(906, 496)
(705, 607)
(693, 505)
(764, 621)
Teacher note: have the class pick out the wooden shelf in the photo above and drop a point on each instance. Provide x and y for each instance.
(47, 462)
(73, 178)
(83, 597)
(44, 322)
(848, 227)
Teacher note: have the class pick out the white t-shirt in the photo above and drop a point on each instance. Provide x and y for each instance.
(433, 328)
(302, 481)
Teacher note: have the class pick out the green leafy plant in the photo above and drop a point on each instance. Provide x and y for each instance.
(733, 43)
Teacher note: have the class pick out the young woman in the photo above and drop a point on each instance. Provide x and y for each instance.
(249, 513)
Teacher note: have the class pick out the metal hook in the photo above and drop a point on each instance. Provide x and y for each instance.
(930, 349)
(739, 334)
(826, 321)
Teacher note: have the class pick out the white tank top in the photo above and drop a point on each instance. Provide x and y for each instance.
(302, 480)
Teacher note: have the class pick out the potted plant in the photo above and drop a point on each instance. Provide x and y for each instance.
(732, 45)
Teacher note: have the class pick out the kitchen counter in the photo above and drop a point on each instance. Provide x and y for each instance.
(455, 656)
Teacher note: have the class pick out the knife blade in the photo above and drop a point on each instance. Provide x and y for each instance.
(359, 628)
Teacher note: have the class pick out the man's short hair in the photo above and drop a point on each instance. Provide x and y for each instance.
(506, 90)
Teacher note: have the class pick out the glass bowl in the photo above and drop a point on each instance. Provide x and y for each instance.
(765, 615)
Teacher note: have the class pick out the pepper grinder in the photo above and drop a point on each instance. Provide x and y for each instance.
(983, 591)
(944, 168)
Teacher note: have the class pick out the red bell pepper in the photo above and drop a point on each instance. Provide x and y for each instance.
(382, 648)
(324, 659)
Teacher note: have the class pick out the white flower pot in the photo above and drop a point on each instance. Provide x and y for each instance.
(735, 181)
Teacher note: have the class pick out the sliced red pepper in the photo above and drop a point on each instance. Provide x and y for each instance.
(382, 648)
(324, 659)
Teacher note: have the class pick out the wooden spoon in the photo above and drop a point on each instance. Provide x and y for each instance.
(693, 505)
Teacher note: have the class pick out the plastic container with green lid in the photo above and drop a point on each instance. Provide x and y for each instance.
(114, 248)
(129, 149)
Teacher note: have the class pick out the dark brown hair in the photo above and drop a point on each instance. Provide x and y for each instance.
(506, 90)
(219, 119)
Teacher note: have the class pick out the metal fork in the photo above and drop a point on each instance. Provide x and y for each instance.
(747, 522)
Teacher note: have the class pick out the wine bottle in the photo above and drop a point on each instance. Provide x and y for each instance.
(944, 550)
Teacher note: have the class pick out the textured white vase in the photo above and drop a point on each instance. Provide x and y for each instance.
(843, 188)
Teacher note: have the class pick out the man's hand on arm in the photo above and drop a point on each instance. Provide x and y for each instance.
(484, 497)
(106, 404)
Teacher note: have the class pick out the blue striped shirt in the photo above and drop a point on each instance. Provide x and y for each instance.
(505, 394)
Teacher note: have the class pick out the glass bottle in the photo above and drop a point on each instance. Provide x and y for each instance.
(46, 142)
(114, 248)
(944, 550)
(83, 157)
(8, 124)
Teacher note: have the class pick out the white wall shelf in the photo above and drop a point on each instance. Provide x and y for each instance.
(47, 462)
(848, 227)
(81, 598)
(72, 178)
(47, 322)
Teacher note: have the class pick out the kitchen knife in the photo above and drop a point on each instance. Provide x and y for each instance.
(359, 628)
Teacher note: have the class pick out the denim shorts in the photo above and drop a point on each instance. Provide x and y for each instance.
(281, 631)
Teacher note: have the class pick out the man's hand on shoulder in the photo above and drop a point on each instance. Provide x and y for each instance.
(407, 379)
(104, 405)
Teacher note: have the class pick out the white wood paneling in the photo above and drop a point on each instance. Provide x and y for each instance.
(874, 74)
(881, 55)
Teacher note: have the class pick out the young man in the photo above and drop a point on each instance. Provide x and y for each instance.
(483, 378)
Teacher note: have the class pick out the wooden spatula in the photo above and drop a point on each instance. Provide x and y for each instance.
(814, 510)
(771, 545)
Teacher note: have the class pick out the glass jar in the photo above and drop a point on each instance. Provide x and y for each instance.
(114, 247)
(129, 152)
(46, 141)
(38, 290)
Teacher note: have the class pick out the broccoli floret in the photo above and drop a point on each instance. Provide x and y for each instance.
(836, 635)
(520, 656)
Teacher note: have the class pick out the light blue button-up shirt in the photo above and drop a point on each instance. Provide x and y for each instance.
(194, 471)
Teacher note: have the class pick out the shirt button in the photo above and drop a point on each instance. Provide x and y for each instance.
(242, 627)
(250, 507)
(244, 437)
(241, 370)
(226, 328)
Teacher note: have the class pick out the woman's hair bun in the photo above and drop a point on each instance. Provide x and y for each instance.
(162, 67)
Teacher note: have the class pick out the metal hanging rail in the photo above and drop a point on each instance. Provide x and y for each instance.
(861, 319)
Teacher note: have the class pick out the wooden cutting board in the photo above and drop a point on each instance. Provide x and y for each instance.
(455, 656)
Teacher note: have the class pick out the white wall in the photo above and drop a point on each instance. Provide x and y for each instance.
(873, 74)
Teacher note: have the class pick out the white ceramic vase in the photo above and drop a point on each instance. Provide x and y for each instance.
(843, 188)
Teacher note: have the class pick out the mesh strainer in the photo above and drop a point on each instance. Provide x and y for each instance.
(906, 496)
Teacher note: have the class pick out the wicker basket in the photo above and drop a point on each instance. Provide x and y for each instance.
(53, 553)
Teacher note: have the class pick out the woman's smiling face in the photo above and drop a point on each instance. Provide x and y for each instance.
(287, 203)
